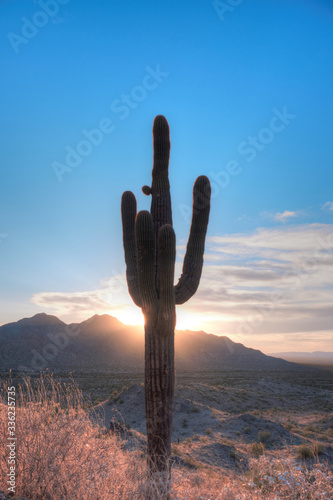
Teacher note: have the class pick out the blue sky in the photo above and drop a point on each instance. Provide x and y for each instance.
(247, 92)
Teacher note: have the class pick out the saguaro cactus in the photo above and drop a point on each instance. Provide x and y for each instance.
(149, 246)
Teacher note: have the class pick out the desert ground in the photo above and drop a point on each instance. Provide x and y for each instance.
(224, 423)
(223, 419)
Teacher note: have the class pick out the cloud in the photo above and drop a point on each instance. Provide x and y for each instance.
(282, 216)
(284, 244)
(112, 297)
(327, 206)
(257, 288)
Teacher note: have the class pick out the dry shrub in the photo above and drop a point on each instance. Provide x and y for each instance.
(60, 453)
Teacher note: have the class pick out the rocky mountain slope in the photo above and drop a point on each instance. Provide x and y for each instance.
(102, 343)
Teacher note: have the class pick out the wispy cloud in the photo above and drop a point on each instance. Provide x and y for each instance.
(263, 286)
(272, 287)
(112, 297)
(327, 206)
(281, 216)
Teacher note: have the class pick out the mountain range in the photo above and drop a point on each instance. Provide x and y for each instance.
(316, 357)
(102, 343)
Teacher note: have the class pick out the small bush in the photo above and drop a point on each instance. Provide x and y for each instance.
(208, 431)
(264, 437)
(257, 449)
(304, 451)
(309, 451)
(318, 449)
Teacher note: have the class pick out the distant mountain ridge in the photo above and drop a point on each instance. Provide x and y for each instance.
(320, 357)
(103, 343)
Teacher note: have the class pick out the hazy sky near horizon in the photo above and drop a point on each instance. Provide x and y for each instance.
(247, 91)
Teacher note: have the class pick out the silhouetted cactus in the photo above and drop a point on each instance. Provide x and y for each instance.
(149, 245)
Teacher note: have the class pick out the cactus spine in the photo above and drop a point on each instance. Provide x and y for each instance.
(149, 247)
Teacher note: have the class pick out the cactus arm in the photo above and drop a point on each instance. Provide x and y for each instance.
(145, 249)
(128, 215)
(167, 255)
(193, 261)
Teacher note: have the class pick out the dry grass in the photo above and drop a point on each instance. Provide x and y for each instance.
(290, 480)
(62, 454)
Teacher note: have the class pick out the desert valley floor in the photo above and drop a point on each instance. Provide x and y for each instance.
(222, 419)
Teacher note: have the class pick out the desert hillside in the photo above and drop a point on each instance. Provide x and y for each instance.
(102, 343)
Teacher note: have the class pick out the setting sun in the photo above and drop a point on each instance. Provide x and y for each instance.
(186, 320)
(134, 316)
(130, 316)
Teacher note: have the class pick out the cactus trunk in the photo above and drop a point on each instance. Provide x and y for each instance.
(159, 393)
(149, 245)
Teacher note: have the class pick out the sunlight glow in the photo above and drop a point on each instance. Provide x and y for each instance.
(129, 316)
(187, 321)
(133, 316)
